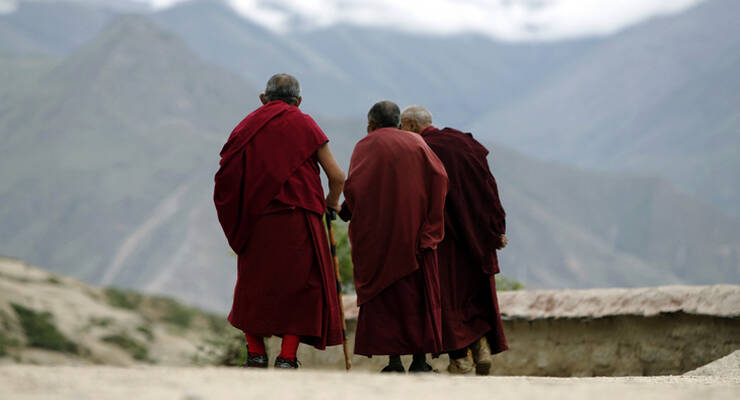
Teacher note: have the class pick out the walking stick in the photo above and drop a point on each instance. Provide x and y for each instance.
(331, 215)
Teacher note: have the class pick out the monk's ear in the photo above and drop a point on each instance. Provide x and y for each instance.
(298, 103)
(263, 99)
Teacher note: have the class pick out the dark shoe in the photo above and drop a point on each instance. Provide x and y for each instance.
(420, 367)
(256, 360)
(286, 363)
(398, 368)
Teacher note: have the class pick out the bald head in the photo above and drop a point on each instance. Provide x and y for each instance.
(282, 87)
(415, 119)
(383, 114)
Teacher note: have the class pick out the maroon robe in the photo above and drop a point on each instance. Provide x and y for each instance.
(270, 202)
(395, 193)
(474, 223)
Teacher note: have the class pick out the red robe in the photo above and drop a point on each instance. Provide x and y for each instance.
(395, 193)
(270, 202)
(474, 223)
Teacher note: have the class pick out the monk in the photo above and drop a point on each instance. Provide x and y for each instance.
(395, 198)
(475, 228)
(270, 204)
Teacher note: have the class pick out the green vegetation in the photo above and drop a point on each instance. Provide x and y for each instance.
(218, 323)
(41, 331)
(5, 343)
(137, 350)
(146, 330)
(503, 283)
(178, 314)
(101, 322)
(154, 308)
(123, 298)
(234, 351)
(345, 256)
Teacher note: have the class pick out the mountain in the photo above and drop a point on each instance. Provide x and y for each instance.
(657, 99)
(345, 69)
(570, 228)
(109, 151)
(102, 171)
(51, 28)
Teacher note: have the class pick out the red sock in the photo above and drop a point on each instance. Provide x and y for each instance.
(289, 347)
(256, 344)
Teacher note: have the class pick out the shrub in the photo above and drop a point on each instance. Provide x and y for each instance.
(146, 330)
(503, 284)
(3, 345)
(179, 315)
(218, 323)
(122, 299)
(41, 331)
(137, 350)
(102, 322)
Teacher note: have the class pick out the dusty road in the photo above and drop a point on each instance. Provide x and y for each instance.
(39, 382)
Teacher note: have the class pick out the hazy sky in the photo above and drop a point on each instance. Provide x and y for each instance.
(503, 19)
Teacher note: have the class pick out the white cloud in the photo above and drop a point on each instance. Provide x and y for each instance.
(7, 6)
(502, 19)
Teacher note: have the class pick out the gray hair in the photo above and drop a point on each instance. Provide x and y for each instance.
(384, 114)
(418, 114)
(283, 87)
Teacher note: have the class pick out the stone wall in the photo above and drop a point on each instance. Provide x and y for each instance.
(666, 344)
(608, 332)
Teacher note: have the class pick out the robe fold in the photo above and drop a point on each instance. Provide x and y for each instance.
(270, 203)
(474, 223)
(395, 195)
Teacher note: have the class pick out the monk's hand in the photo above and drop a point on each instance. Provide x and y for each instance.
(504, 242)
(332, 206)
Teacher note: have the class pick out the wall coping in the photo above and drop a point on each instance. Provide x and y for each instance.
(716, 300)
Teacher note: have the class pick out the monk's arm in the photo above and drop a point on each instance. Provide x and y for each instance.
(498, 224)
(334, 173)
(432, 231)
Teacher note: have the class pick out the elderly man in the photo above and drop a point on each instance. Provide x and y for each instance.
(475, 228)
(270, 202)
(395, 197)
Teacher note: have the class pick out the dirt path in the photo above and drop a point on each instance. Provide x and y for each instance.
(34, 382)
(166, 209)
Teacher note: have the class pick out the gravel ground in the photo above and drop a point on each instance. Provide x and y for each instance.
(41, 382)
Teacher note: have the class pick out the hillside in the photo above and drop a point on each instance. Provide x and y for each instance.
(48, 319)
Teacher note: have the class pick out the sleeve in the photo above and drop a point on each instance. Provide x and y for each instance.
(318, 135)
(432, 231)
(344, 213)
(498, 219)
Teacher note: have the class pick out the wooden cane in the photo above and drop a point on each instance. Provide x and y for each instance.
(330, 216)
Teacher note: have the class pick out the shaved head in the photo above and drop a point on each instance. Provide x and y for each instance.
(383, 114)
(282, 87)
(415, 119)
